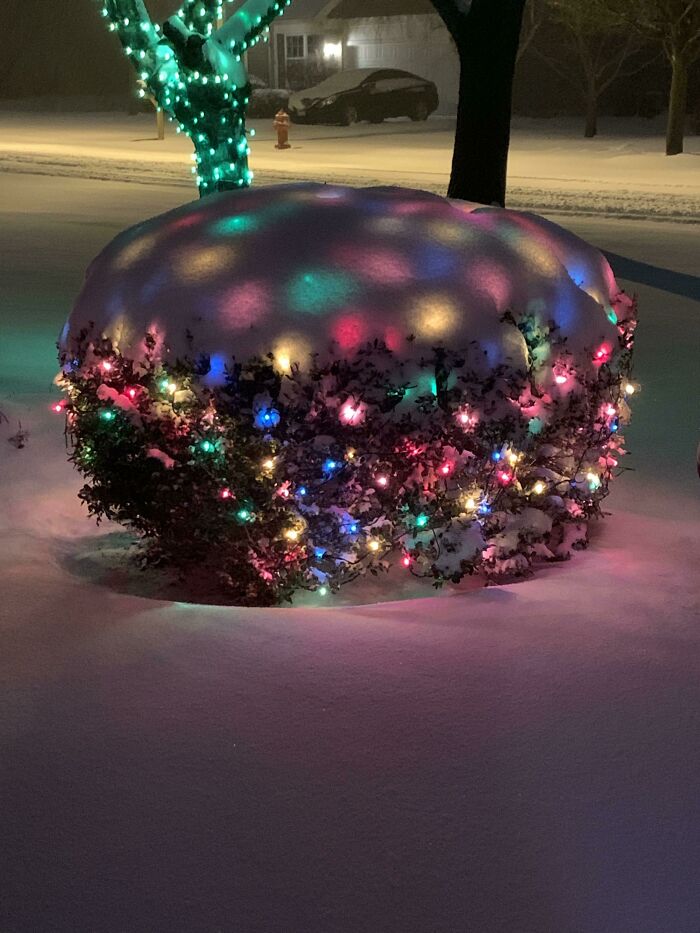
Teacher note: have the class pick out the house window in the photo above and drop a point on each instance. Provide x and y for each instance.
(313, 45)
(295, 46)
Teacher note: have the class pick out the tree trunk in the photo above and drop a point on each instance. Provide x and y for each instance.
(677, 103)
(221, 150)
(591, 129)
(487, 50)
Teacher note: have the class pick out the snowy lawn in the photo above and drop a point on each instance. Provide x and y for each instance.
(520, 759)
(622, 172)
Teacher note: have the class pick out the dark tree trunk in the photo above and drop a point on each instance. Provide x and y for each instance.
(591, 129)
(677, 102)
(487, 41)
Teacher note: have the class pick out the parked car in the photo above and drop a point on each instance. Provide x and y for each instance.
(364, 94)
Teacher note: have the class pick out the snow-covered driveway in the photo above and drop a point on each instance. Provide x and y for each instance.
(522, 759)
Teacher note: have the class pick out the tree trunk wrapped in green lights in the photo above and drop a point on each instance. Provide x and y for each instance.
(197, 76)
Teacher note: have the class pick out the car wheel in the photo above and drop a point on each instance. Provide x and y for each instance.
(349, 115)
(419, 111)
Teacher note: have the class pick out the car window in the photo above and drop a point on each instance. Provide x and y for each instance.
(397, 84)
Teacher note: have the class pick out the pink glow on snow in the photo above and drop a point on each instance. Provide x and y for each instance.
(351, 331)
(245, 305)
(490, 278)
(189, 220)
(392, 338)
(377, 265)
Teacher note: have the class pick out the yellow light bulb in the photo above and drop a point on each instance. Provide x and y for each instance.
(292, 534)
(374, 545)
(268, 464)
(470, 503)
(629, 389)
(538, 488)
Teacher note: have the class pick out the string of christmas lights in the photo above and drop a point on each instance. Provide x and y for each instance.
(196, 73)
(281, 480)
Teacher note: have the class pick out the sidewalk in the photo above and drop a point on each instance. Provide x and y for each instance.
(623, 172)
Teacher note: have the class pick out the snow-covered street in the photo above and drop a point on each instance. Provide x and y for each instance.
(518, 759)
(623, 172)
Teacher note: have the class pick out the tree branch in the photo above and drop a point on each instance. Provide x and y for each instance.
(454, 14)
(130, 20)
(200, 15)
(245, 26)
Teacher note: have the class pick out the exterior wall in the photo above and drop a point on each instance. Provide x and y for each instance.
(420, 44)
(416, 43)
(292, 72)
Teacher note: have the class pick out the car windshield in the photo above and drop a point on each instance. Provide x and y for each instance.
(341, 81)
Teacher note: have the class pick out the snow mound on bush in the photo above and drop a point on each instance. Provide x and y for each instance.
(309, 268)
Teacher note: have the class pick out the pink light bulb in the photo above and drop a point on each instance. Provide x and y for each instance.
(226, 493)
(603, 353)
(106, 366)
(560, 379)
(445, 469)
(58, 407)
(383, 480)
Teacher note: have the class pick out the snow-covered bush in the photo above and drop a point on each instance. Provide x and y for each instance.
(295, 385)
(265, 102)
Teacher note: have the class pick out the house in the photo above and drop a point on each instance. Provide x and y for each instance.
(314, 38)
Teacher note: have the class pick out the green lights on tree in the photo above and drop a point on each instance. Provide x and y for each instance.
(196, 74)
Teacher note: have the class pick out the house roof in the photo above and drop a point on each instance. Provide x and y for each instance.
(307, 9)
(349, 9)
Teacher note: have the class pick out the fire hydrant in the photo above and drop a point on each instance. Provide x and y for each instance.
(282, 123)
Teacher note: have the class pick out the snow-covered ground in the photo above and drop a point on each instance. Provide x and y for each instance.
(622, 172)
(520, 759)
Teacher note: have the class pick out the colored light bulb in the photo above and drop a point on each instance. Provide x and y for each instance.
(421, 520)
(539, 487)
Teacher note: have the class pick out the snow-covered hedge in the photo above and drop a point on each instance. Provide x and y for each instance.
(292, 386)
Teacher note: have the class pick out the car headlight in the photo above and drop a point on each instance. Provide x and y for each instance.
(331, 100)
